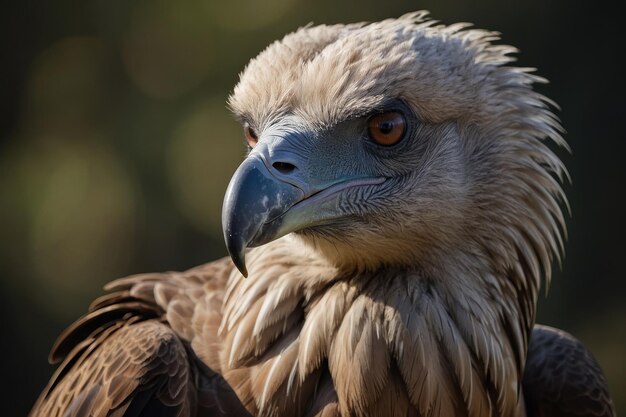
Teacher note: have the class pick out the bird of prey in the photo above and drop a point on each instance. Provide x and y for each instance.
(395, 216)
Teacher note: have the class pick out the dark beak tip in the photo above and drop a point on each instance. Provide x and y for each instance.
(243, 271)
(240, 263)
(237, 251)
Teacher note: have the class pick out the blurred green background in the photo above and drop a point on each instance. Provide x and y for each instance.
(116, 148)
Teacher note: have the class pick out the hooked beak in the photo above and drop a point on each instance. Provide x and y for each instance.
(253, 205)
(260, 207)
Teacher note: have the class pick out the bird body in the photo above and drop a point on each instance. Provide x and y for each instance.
(395, 216)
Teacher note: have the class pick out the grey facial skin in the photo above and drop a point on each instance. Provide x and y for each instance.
(280, 188)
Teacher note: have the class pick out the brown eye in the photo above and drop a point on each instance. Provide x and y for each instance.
(251, 136)
(386, 128)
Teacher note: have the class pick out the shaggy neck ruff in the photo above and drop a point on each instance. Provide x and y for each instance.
(386, 342)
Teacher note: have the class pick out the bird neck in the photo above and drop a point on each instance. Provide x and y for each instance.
(399, 338)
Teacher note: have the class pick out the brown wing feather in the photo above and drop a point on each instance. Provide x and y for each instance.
(125, 358)
(562, 379)
(124, 368)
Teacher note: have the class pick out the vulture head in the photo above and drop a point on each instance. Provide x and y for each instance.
(400, 143)
(415, 160)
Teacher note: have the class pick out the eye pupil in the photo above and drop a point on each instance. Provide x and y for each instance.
(386, 128)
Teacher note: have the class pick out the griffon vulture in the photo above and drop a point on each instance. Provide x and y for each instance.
(395, 216)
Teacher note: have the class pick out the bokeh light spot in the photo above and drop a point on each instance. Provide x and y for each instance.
(168, 47)
(246, 15)
(80, 219)
(204, 152)
(70, 86)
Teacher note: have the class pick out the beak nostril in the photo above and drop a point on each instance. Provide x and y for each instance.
(284, 167)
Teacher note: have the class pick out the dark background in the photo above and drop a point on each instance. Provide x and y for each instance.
(116, 147)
